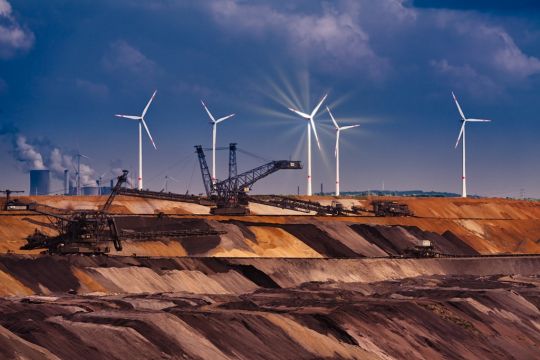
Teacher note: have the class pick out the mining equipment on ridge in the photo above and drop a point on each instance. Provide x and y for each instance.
(92, 231)
(160, 195)
(305, 206)
(390, 208)
(79, 232)
(13, 204)
(422, 249)
(231, 194)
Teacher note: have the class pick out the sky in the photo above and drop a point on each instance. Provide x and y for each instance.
(389, 65)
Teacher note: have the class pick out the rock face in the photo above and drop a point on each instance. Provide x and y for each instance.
(118, 308)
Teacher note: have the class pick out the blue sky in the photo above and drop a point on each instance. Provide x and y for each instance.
(390, 65)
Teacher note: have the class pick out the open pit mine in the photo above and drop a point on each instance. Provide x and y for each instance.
(144, 275)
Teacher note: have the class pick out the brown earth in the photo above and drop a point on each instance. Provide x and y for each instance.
(279, 286)
(455, 226)
(75, 307)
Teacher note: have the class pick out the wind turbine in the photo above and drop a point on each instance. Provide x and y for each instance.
(310, 124)
(99, 182)
(214, 123)
(142, 123)
(338, 131)
(461, 135)
(79, 156)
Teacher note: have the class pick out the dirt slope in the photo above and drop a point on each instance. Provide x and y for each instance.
(211, 308)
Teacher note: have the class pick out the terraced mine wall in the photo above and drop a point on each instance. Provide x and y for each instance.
(211, 308)
(455, 227)
(48, 275)
(279, 285)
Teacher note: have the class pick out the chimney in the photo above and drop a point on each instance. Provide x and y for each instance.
(66, 182)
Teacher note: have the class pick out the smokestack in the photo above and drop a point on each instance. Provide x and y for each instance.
(39, 182)
(322, 192)
(66, 182)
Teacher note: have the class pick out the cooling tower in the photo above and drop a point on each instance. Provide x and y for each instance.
(39, 182)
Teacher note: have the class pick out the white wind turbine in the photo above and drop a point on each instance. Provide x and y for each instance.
(338, 131)
(461, 135)
(78, 178)
(310, 124)
(214, 123)
(142, 123)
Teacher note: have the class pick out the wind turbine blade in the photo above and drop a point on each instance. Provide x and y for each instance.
(208, 112)
(131, 117)
(349, 127)
(224, 118)
(332, 117)
(315, 132)
(148, 105)
(304, 115)
(460, 134)
(477, 120)
(458, 107)
(173, 179)
(148, 132)
(314, 112)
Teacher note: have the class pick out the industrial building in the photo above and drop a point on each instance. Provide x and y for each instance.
(40, 182)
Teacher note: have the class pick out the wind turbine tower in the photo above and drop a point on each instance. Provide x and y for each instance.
(461, 137)
(78, 179)
(338, 131)
(140, 120)
(310, 125)
(214, 123)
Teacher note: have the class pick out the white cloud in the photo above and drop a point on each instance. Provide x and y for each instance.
(122, 56)
(465, 77)
(333, 39)
(486, 44)
(13, 36)
(508, 56)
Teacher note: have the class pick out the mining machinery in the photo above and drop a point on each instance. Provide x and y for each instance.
(422, 249)
(305, 206)
(12, 204)
(231, 195)
(79, 232)
(390, 208)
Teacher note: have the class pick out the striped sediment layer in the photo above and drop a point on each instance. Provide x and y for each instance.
(301, 236)
(454, 226)
(76, 307)
(47, 275)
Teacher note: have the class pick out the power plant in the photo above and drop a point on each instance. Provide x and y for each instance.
(40, 182)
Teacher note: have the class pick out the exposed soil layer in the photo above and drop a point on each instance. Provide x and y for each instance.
(275, 309)
(279, 287)
(455, 226)
(48, 274)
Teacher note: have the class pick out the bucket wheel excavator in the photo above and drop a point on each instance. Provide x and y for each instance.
(231, 195)
(79, 232)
